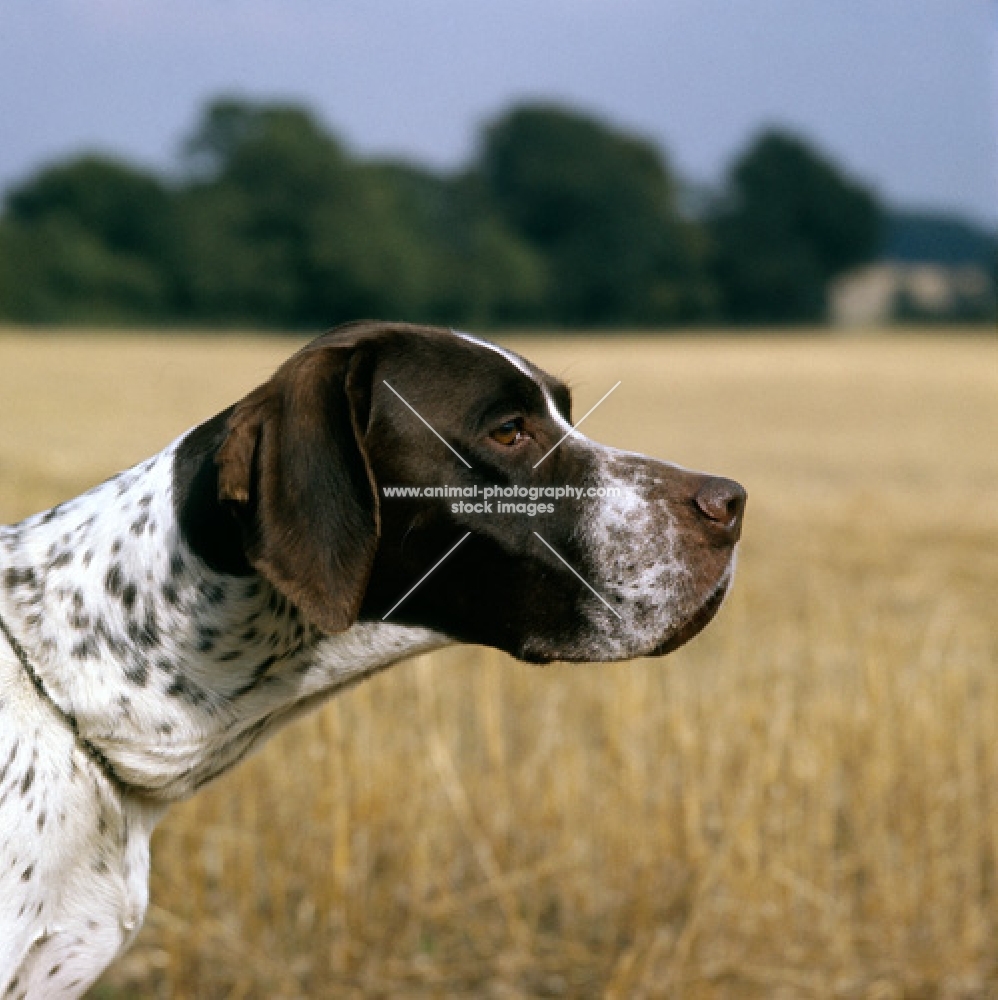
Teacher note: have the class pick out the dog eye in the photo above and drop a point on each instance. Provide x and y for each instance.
(509, 433)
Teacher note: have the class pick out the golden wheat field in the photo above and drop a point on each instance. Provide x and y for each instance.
(801, 803)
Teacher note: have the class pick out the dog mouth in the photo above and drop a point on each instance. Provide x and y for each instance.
(700, 619)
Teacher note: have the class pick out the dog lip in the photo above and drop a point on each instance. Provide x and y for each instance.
(698, 621)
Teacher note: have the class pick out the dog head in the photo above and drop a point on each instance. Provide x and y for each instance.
(634, 562)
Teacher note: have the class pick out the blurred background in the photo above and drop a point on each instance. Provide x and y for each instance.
(574, 164)
(775, 224)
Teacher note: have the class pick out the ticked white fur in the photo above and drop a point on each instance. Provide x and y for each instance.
(74, 850)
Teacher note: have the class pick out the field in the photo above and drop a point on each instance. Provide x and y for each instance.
(801, 803)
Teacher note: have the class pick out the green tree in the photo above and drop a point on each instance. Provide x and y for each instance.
(261, 175)
(790, 222)
(92, 239)
(471, 267)
(600, 206)
(284, 228)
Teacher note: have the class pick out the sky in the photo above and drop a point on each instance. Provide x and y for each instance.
(901, 93)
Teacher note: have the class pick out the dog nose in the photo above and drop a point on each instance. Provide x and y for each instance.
(722, 502)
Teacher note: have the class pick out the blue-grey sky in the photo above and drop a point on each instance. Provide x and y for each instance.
(902, 93)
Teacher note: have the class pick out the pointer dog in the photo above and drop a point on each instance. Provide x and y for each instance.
(157, 629)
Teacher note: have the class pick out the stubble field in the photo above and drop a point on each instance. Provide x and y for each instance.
(801, 803)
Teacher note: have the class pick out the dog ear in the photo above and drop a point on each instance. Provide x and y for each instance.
(294, 468)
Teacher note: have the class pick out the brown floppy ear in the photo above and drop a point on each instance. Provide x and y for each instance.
(293, 466)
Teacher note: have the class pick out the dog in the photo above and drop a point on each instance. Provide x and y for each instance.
(160, 627)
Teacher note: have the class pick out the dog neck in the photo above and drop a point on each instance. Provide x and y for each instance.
(173, 670)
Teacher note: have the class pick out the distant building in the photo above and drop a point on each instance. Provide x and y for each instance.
(889, 292)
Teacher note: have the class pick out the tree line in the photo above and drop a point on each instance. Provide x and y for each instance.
(559, 218)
